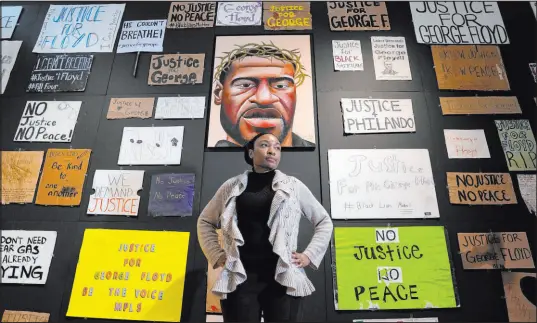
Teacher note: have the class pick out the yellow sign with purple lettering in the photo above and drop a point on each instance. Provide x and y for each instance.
(130, 275)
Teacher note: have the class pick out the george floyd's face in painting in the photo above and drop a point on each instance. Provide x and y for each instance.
(258, 94)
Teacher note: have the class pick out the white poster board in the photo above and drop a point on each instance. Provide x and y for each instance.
(347, 55)
(377, 115)
(10, 17)
(116, 192)
(390, 58)
(466, 143)
(151, 146)
(239, 13)
(458, 22)
(381, 184)
(141, 36)
(26, 256)
(48, 121)
(526, 184)
(184, 107)
(81, 28)
(10, 51)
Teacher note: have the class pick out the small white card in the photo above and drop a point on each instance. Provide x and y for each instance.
(347, 55)
(180, 107)
(390, 57)
(466, 144)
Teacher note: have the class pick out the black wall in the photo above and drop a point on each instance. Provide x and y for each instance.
(111, 76)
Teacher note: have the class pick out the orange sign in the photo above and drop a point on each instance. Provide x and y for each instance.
(22, 316)
(480, 105)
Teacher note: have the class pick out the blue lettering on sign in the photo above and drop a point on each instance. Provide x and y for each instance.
(79, 14)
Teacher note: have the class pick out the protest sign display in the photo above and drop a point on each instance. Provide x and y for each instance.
(527, 187)
(381, 184)
(124, 108)
(10, 17)
(183, 107)
(172, 194)
(20, 171)
(48, 121)
(10, 50)
(26, 256)
(151, 146)
(466, 143)
(519, 289)
(390, 58)
(518, 144)
(481, 188)
(480, 105)
(60, 73)
(358, 15)
(80, 28)
(24, 316)
(130, 275)
(377, 115)
(191, 15)
(287, 16)
(116, 192)
(347, 55)
(239, 13)
(399, 268)
(176, 69)
(141, 36)
(459, 22)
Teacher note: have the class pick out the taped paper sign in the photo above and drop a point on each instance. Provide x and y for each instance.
(464, 22)
(80, 28)
(48, 121)
(377, 115)
(466, 67)
(518, 144)
(62, 179)
(124, 108)
(519, 289)
(533, 69)
(239, 13)
(481, 188)
(381, 184)
(20, 171)
(390, 57)
(400, 268)
(411, 319)
(10, 17)
(347, 55)
(480, 105)
(24, 316)
(26, 256)
(10, 50)
(116, 192)
(141, 36)
(183, 107)
(151, 146)
(176, 69)
(146, 269)
(526, 185)
(191, 15)
(358, 15)
(466, 143)
(287, 15)
(495, 250)
(212, 302)
(60, 73)
(172, 194)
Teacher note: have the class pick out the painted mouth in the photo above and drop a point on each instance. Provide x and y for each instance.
(263, 118)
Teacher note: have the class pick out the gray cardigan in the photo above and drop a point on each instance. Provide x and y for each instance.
(291, 200)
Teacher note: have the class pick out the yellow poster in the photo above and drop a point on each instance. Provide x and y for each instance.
(20, 171)
(130, 275)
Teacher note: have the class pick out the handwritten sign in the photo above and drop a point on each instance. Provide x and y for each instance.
(377, 115)
(24, 316)
(495, 250)
(466, 143)
(10, 50)
(151, 146)
(390, 57)
(287, 15)
(60, 73)
(239, 13)
(141, 36)
(518, 144)
(519, 289)
(124, 108)
(20, 171)
(63, 177)
(176, 69)
(400, 268)
(464, 67)
(172, 194)
(26, 256)
(130, 275)
(464, 22)
(10, 17)
(527, 187)
(358, 15)
(48, 121)
(347, 55)
(191, 15)
(533, 69)
(481, 188)
(480, 105)
(116, 192)
(192, 107)
(81, 28)
(381, 184)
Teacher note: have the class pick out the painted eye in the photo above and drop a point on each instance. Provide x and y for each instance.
(282, 84)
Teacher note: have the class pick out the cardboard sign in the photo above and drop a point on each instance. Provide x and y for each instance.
(128, 274)
(116, 192)
(287, 16)
(151, 146)
(390, 57)
(466, 143)
(172, 194)
(26, 256)
(358, 15)
(23, 316)
(60, 73)
(176, 69)
(533, 69)
(10, 50)
(191, 15)
(347, 55)
(377, 115)
(48, 121)
(192, 107)
(481, 188)
(466, 67)
(124, 108)
(527, 187)
(518, 144)
(519, 291)
(20, 171)
(239, 13)
(62, 179)
(141, 36)
(10, 17)
(80, 28)
(495, 250)
(400, 268)
(480, 105)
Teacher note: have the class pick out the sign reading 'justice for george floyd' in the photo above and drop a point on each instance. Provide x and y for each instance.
(358, 15)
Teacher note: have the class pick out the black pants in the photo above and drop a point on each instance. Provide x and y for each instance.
(260, 293)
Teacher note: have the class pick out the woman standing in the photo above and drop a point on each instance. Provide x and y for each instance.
(259, 213)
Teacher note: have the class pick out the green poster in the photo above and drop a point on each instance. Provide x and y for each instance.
(392, 268)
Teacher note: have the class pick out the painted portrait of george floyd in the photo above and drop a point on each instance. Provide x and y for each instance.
(262, 84)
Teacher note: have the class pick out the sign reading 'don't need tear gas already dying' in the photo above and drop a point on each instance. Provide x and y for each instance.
(176, 69)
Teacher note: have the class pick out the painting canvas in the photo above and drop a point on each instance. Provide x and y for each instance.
(262, 84)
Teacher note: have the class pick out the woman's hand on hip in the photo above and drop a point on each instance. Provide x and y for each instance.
(300, 260)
